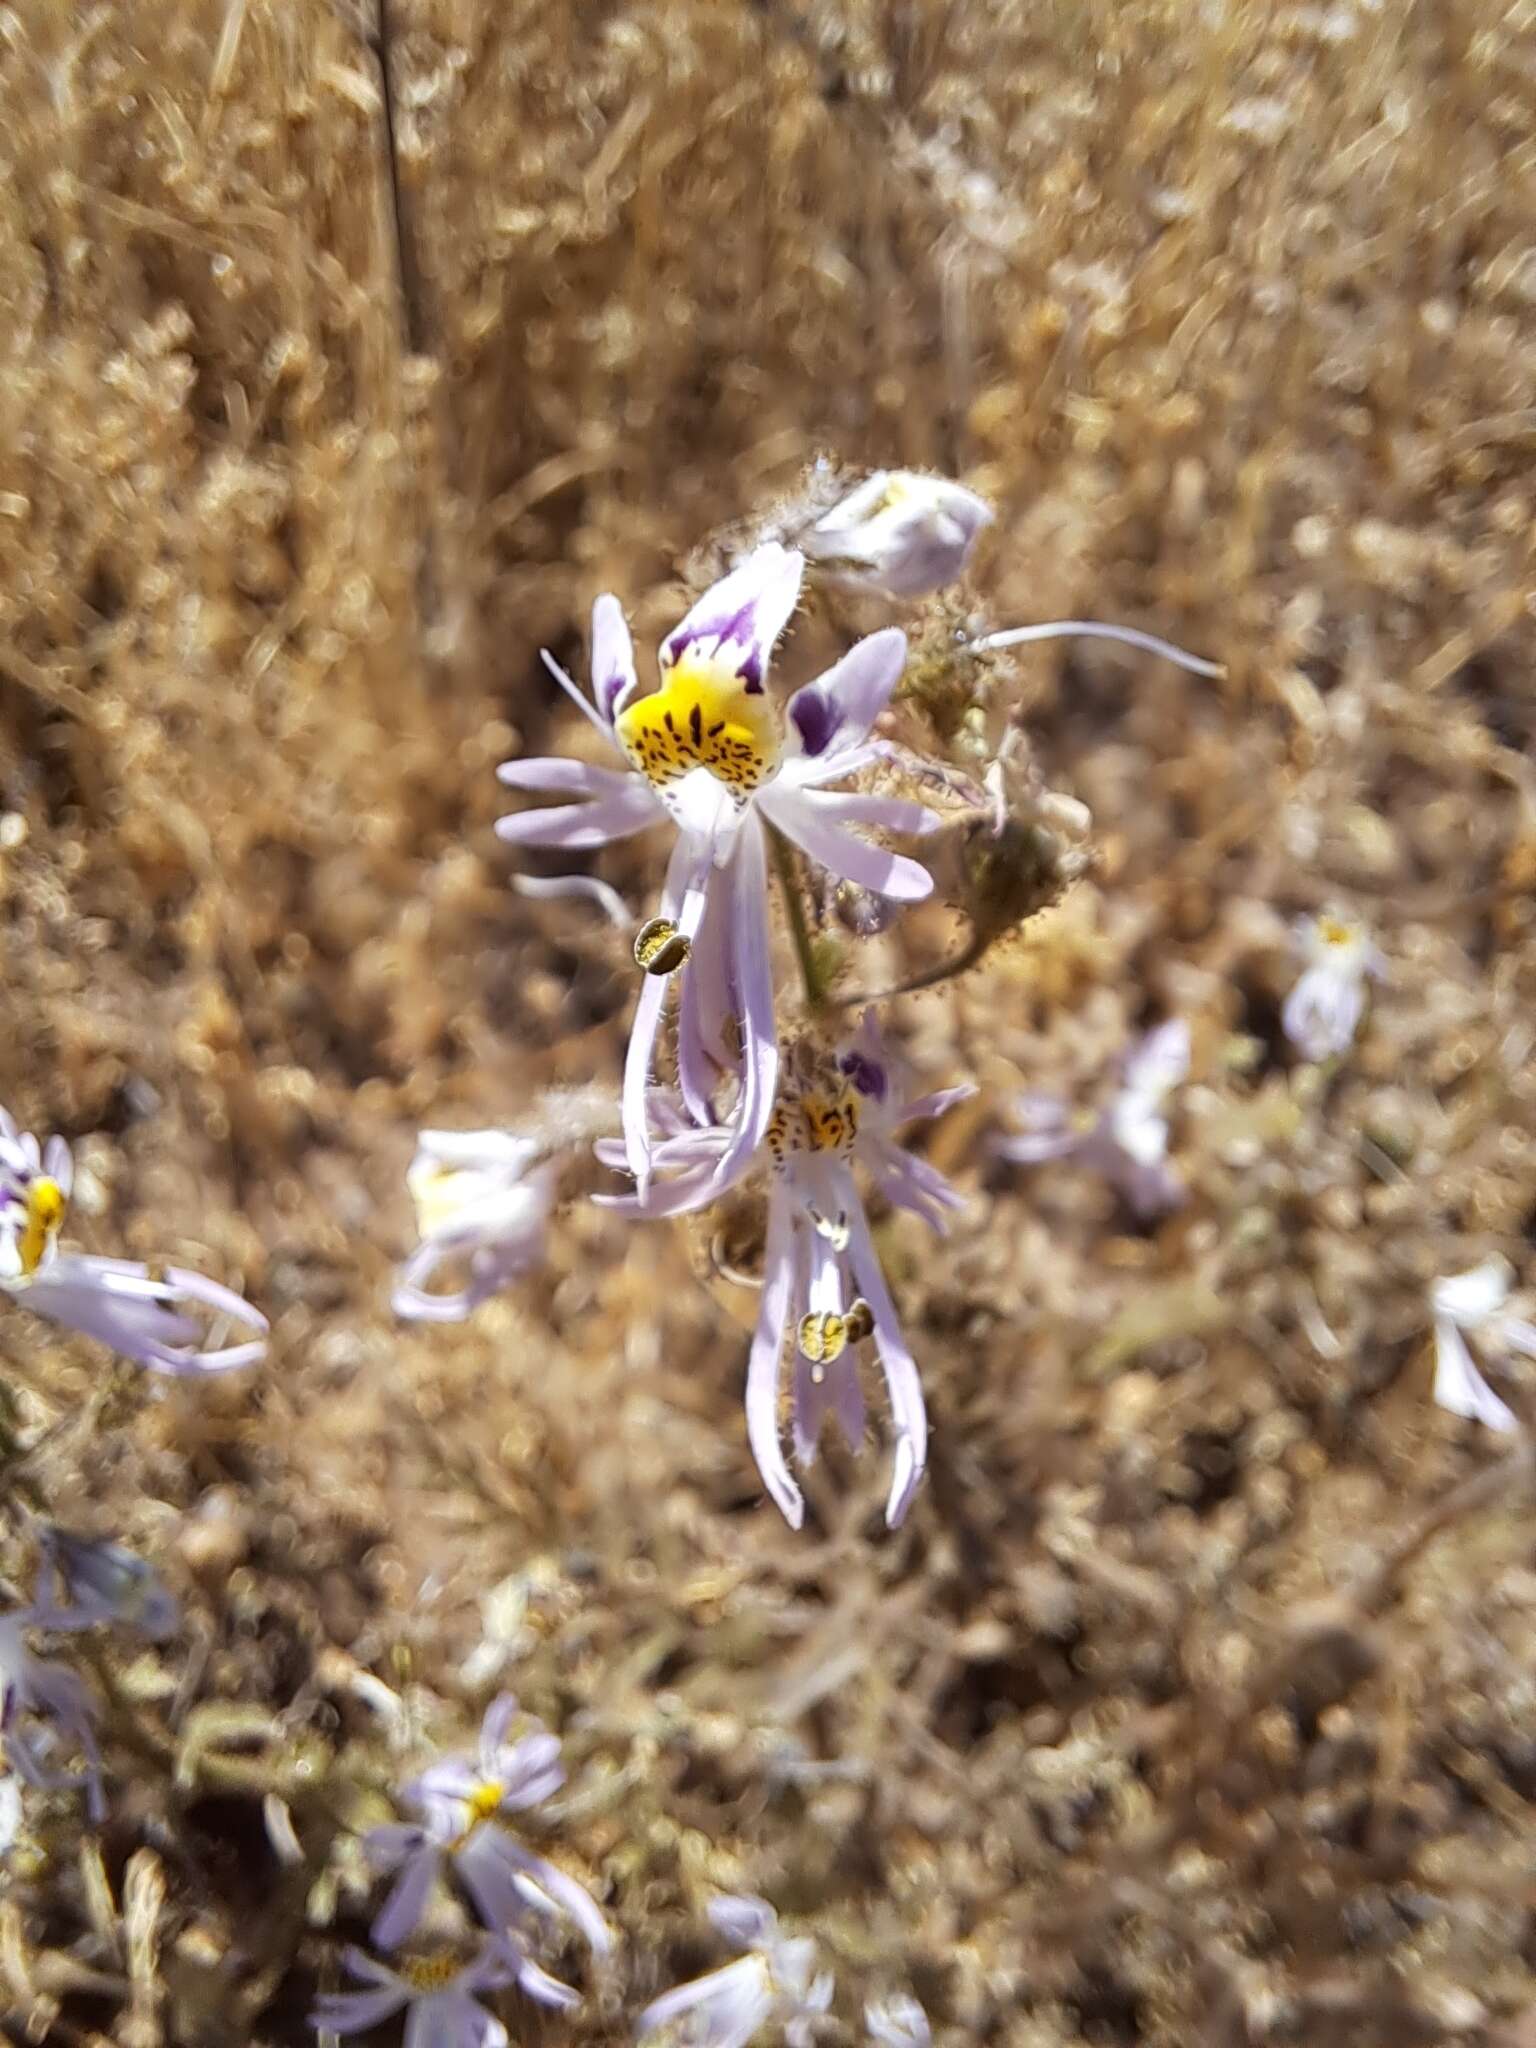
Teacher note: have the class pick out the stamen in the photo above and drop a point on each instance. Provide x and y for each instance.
(660, 948)
(823, 1338)
(429, 1973)
(860, 1320)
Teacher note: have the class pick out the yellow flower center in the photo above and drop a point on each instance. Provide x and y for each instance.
(1333, 933)
(485, 1800)
(703, 716)
(45, 1212)
(429, 1973)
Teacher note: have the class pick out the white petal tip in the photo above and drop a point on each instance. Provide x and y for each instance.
(905, 1476)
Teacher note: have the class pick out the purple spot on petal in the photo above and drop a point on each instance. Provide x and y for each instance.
(867, 1075)
(816, 718)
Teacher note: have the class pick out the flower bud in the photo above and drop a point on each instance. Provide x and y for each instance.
(900, 534)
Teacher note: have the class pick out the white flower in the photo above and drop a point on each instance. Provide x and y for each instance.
(708, 753)
(898, 2022)
(1128, 1141)
(479, 1198)
(1322, 1012)
(1474, 1304)
(438, 1994)
(901, 534)
(775, 1980)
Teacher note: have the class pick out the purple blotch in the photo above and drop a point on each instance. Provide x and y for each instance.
(816, 718)
(867, 1075)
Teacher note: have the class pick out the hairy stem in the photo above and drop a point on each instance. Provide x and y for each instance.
(799, 931)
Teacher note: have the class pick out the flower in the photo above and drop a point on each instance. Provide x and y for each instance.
(1127, 1142)
(34, 1691)
(10, 1811)
(439, 1994)
(459, 1802)
(1322, 1012)
(478, 1198)
(900, 534)
(707, 752)
(774, 1980)
(1474, 1303)
(821, 1273)
(117, 1301)
(898, 2022)
(103, 1583)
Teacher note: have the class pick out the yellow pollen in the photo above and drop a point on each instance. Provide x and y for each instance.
(703, 716)
(1332, 933)
(429, 1973)
(660, 947)
(45, 1212)
(485, 1800)
(823, 1338)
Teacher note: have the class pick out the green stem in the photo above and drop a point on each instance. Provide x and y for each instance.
(799, 930)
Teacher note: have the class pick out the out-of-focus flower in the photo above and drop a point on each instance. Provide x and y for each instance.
(708, 752)
(776, 1980)
(40, 1701)
(1475, 1304)
(10, 1810)
(481, 1199)
(1127, 1142)
(1322, 1012)
(898, 2022)
(899, 534)
(821, 1274)
(97, 1583)
(117, 1301)
(439, 1994)
(460, 1802)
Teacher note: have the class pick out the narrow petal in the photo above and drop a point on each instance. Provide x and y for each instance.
(853, 860)
(1518, 1336)
(1473, 1296)
(1322, 1013)
(578, 697)
(558, 775)
(752, 976)
(619, 815)
(1460, 1387)
(119, 1302)
(884, 813)
(834, 714)
(354, 2012)
(639, 1059)
(731, 2004)
(613, 657)
(742, 1918)
(1091, 629)
(908, 1413)
(400, 1915)
(567, 1894)
(767, 1352)
(740, 618)
(924, 1107)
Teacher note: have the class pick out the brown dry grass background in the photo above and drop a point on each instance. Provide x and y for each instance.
(1185, 1709)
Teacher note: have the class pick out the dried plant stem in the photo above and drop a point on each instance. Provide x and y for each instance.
(812, 979)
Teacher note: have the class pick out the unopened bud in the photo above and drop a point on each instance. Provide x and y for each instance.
(900, 534)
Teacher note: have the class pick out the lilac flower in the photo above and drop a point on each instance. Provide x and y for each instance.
(40, 1701)
(708, 752)
(460, 1801)
(10, 1811)
(117, 1301)
(1127, 1142)
(1474, 1303)
(481, 1199)
(1322, 1012)
(898, 2022)
(821, 1274)
(439, 1994)
(102, 1583)
(775, 1980)
(900, 534)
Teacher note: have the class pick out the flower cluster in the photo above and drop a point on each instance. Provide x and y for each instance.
(746, 784)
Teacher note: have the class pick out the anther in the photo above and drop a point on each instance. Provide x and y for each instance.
(823, 1336)
(660, 948)
(859, 1320)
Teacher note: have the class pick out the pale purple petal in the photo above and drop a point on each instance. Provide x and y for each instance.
(613, 657)
(852, 860)
(391, 1842)
(1158, 1062)
(400, 1915)
(739, 619)
(552, 888)
(559, 775)
(566, 1893)
(118, 1302)
(639, 1060)
(884, 813)
(1322, 1013)
(908, 1413)
(764, 1361)
(742, 1918)
(578, 697)
(936, 1104)
(1518, 1336)
(752, 977)
(572, 827)
(728, 2006)
(354, 2012)
(451, 2019)
(834, 714)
